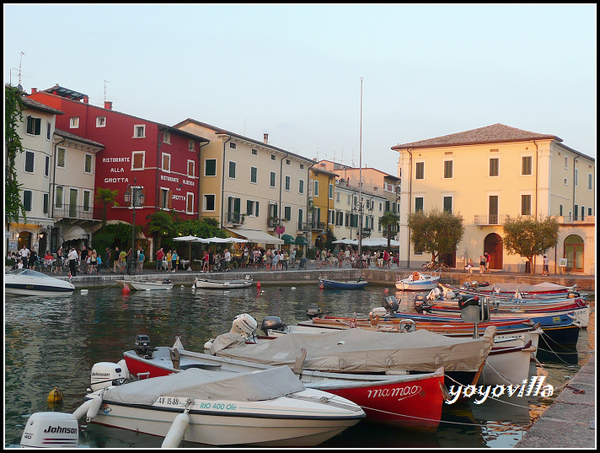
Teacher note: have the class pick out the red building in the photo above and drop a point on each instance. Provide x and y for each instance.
(160, 161)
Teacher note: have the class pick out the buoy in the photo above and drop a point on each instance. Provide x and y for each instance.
(258, 284)
(82, 410)
(293, 288)
(85, 291)
(126, 289)
(94, 408)
(177, 430)
(386, 291)
(55, 396)
(321, 286)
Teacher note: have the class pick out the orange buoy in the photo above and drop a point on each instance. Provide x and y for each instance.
(126, 289)
(321, 286)
(386, 291)
(258, 284)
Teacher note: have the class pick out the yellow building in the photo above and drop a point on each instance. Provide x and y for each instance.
(321, 204)
(491, 173)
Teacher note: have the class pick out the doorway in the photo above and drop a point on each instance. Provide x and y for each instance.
(493, 245)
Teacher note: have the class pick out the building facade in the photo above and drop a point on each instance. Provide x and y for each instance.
(489, 174)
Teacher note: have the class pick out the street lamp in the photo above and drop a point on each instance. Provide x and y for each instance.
(134, 196)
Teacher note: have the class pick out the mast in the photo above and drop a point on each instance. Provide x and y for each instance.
(360, 204)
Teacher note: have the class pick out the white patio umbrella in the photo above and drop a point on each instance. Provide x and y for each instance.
(189, 239)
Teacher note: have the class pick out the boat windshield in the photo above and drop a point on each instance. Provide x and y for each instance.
(26, 273)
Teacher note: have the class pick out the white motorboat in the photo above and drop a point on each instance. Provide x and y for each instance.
(209, 283)
(158, 285)
(27, 282)
(418, 281)
(269, 407)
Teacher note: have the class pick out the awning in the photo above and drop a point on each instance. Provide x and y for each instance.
(74, 233)
(256, 236)
(301, 240)
(286, 238)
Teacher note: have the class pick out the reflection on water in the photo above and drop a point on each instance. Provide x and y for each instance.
(54, 342)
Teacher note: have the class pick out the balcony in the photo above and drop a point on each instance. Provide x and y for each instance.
(235, 218)
(273, 222)
(74, 212)
(304, 226)
(491, 220)
(318, 226)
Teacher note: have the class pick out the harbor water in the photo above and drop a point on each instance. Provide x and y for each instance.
(53, 342)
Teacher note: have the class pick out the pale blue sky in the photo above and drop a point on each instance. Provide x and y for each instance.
(293, 70)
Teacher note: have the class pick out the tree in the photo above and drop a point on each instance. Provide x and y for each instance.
(161, 224)
(436, 232)
(387, 221)
(13, 117)
(107, 198)
(530, 237)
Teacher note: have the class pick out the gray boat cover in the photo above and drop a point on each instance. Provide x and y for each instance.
(209, 385)
(362, 351)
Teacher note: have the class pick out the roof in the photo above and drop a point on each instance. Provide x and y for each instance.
(66, 92)
(77, 138)
(32, 104)
(488, 134)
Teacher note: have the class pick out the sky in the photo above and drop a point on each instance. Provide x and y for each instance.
(307, 73)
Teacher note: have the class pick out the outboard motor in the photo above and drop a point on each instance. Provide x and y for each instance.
(573, 295)
(313, 311)
(422, 304)
(273, 323)
(244, 325)
(55, 429)
(379, 311)
(105, 374)
(142, 346)
(391, 304)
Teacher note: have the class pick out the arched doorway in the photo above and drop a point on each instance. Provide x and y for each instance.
(24, 240)
(493, 245)
(574, 249)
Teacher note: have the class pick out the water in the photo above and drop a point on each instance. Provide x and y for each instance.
(54, 342)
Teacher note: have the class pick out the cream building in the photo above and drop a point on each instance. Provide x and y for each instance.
(253, 189)
(491, 173)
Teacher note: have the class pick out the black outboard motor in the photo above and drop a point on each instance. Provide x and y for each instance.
(390, 303)
(573, 295)
(142, 346)
(273, 323)
(313, 311)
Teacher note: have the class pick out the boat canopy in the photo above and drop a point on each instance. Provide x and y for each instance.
(358, 350)
(209, 385)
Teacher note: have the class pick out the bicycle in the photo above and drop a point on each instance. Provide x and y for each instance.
(434, 266)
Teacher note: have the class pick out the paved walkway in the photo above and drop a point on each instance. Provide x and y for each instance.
(570, 422)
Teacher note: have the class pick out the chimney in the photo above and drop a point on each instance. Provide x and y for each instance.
(33, 90)
(108, 105)
(266, 138)
(86, 100)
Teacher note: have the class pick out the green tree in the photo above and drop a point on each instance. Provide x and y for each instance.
(160, 225)
(106, 198)
(530, 237)
(387, 221)
(436, 232)
(13, 117)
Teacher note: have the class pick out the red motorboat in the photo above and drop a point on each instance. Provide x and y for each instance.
(409, 400)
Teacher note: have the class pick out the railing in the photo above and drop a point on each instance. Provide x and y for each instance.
(494, 219)
(67, 211)
(318, 226)
(304, 226)
(235, 217)
(273, 222)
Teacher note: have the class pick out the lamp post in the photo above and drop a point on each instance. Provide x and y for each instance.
(134, 196)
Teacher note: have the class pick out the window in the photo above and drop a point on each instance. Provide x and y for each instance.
(288, 183)
(526, 165)
(300, 218)
(254, 152)
(448, 204)
(189, 205)
(273, 157)
(27, 198)
(560, 210)
(34, 125)
(287, 213)
(301, 186)
(46, 203)
(253, 175)
(566, 162)
(59, 197)
(494, 166)
(48, 130)
(331, 191)
(100, 121)
(575, 211)
(87, 196)
(420, 170)
(493, 209)
(191, 146)
(301, 166)
(272, 179)
(191, 168)
(252, 208)
(209, 202)
(316, 191)
(590, 181)
(137, 161)
(232, 145)
(60, 157)
(525, 204)
(448, 169)
(47, 166)
(139, 131)
(29, 161)
(74, 122)
(166, 162)
(165, 198)
(210, 167)
(576, 177)
(419, 204)
(288, 162)
(232, 167)
(87, 165)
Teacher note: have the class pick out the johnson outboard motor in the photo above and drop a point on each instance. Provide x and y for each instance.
(422, 304)
(390, 303)
(51, 429)
(244, 325)
(313, 311)
(142, 346)
(105, 374)
(273, 323)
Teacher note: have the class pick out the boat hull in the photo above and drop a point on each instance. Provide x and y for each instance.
(221, 284)
(334, 284)
(27, 282)
(151, 286)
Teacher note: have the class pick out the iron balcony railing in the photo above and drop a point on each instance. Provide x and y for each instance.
(69, 211)
(494, 219)
(304, 226)
(235, 217)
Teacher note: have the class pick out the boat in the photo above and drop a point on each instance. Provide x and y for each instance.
(516, 296)
(418, 281)
(360, 351)
(411, 401)
(209, 283)
(269, 408)
(537, 290)
(159, 285)
(27, 282)
(337, 284)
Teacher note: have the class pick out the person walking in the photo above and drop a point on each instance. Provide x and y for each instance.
(481, 264)
(293, 257)
(169, 261)
(83, 256)
(159, 259)
(24, 254)
(140, 261)
(72, 257)
(227, 256)
(488, 258)
(545, 270)
(108, 258)
(205, 264)
(174, 260)
(32, 258)
(122, 260)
